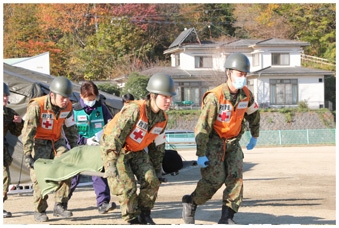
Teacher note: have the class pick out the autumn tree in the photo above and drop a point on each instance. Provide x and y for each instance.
(260, 21)
(20, 25)
(211, 21)
(313, 23)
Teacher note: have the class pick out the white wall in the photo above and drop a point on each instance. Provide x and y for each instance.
(309, 89)
(39, 63)
(187, 59)
(266, 56)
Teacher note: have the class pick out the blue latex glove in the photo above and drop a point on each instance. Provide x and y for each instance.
(251, 144)
(202, 162)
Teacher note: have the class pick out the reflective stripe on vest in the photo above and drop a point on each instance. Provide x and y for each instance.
(89, 125)
(228, 121)
(50, 127)
(139, 138)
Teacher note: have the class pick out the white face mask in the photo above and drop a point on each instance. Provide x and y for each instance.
(239, 82)
(90, 103)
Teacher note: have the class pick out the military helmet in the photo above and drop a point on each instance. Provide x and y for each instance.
(61, 86)
(238, 61)
(6, 89)
(161, 83)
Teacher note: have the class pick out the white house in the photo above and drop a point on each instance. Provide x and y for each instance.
(38, 63)
(276, 79)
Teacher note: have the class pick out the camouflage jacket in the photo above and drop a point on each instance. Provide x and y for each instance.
(13, 128)
(204, 129)
(112, 144)
(32, 122)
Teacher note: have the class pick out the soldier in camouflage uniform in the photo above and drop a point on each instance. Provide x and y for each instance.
(140, 124)
(12, 123)
(217, 134)
(46, 118)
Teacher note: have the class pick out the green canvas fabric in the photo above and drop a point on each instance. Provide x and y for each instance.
(81, 158)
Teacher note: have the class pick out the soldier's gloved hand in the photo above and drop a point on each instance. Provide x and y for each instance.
(29, 161)
(160, 178)
(203, 162)
(251, 144)
(92, 141)
(112, 171)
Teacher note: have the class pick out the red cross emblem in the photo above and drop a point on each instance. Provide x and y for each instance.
(224, 117)
(256, 105)
(138, 135)
(47, 124)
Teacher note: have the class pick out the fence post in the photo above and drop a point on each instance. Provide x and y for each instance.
(280, 137)
(307, 136)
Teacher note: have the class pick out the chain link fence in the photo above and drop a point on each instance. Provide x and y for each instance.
(266, 138)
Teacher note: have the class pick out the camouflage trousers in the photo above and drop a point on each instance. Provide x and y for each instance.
(219, 172)
(44, 149)
(60, 196)
(6, 182)
(130, 165)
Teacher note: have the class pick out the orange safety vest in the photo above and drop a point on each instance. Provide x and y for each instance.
(140, 137)
(229, 119)
(49, 126)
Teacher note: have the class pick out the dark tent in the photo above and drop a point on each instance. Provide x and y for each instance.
(24, 85)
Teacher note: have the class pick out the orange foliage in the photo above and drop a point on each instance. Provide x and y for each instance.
(37, 47)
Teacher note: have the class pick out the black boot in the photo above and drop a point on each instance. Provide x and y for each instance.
(60, 210)
(7, 214)
(106, 207)
(145, 218)
(134, 221)
(40, 216)
(188, 209)
(226, 216)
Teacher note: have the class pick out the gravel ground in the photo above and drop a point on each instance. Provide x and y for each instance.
(282, 185)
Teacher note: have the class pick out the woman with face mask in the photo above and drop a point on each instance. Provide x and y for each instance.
(90, 116)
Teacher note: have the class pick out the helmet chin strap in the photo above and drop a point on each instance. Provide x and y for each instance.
(155, 102)
(53, 99)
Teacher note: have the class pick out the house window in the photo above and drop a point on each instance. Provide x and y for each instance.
(281, 59)
(191, 91)
(284, 91)
(203, 62)
(256, 59)
(177, 60)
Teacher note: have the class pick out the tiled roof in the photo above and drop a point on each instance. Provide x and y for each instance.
(281, 42)
(291, 71)
(178, 73)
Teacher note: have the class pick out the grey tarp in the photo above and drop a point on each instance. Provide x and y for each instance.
(24, 85)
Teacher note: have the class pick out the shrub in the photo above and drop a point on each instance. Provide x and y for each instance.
(303, 105)
(109, 88)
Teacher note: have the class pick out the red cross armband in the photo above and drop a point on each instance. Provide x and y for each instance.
(70, 121)
(254, 107)
(160, 139)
